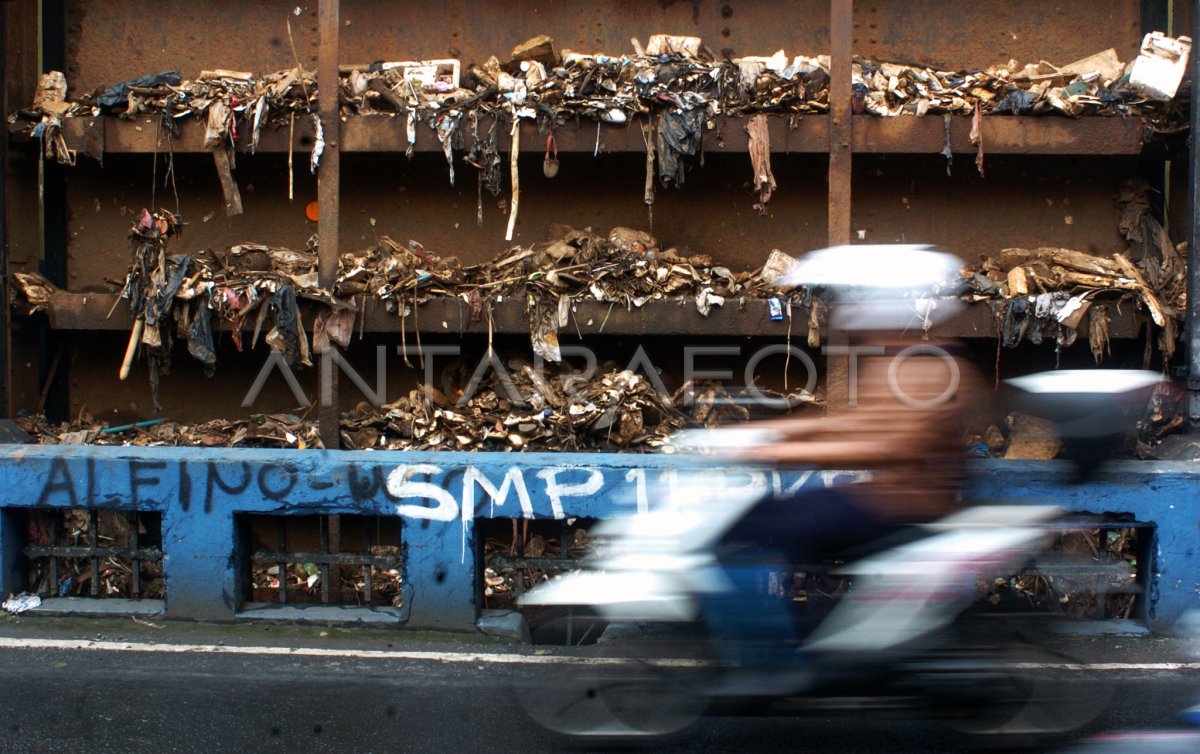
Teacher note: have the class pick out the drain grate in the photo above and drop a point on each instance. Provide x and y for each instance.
(325, 559)
(87, 552)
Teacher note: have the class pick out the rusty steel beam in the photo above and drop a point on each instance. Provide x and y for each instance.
(906, 134)
(328, 180)
(88, 311)
(1003, 134)
(328, 174)
(841, 125)
(152, 554)
(545, 564)
(841, 40)
(451, 316)
(807, 134)
(327, 558)
(385, 133)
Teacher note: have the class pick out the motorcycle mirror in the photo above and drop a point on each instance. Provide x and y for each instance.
(1092, 408)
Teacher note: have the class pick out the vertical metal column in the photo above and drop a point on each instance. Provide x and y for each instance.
(841, 33)
(282, 566)
(135, 578)
(94, 543)
(841, 42)
(53, 344)
(5, 333)
(368, 588)
(327, 191)
(326, 590)
(1193, 281)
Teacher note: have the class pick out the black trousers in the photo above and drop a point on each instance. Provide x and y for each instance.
(812, 525)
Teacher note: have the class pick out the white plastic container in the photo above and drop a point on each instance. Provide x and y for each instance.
(1158, 70)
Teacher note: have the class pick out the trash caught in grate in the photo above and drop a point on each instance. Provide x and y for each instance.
(82, 552)
(518, 554)
(1087, 574)
(325, 560)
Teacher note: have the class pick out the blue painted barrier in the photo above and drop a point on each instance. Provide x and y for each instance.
(440, 495)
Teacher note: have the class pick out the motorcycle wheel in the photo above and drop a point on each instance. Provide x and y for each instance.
(1025, 691)
(645, 685)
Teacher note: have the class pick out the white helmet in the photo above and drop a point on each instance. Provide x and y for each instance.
(881, 286)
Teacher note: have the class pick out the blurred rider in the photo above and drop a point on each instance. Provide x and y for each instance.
(910, 400)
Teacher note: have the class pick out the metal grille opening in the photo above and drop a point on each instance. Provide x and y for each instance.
(1094, 573)
(324, 560)
(85, 552)
(1088, 573)
(521, 553)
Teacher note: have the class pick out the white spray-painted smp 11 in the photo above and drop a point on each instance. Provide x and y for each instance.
(432, 500)
(402, 486)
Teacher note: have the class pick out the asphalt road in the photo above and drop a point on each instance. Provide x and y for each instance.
(325, 690)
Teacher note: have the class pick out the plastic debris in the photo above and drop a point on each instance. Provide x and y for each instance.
(154, 84)
(507, 624)
(20, 603)
(1160, 65)
(775, 309)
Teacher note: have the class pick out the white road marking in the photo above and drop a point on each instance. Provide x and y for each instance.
(498, 658)
(1109, 666)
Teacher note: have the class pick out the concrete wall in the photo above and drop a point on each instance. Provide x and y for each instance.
(439, 497)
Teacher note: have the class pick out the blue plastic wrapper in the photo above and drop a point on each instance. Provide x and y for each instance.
(118, 93)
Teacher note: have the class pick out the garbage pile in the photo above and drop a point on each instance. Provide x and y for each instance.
(1044, 293)
(626, 267)
(176, 296)
(516, 408)
(676, 82)
(670, 73)
(1047, 292)
(675, 86)
(258, 431)
(236, 96)
(234, 105)
(1099, 84)
(512, 406)
(1092, 574)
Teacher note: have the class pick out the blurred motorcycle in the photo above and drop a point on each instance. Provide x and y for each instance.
(905, 637)
(717, 630)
